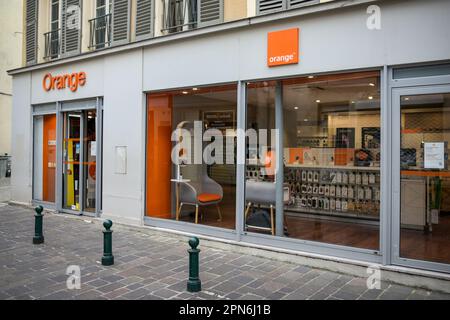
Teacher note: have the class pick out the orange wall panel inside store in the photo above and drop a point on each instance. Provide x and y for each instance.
(159, 131)
(49, 158)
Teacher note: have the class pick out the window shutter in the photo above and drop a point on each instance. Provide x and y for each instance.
(301, 3)
(268, 6)
(120, 21)
(70, 26)
(209, 12)
(144, 19)
(31, 31)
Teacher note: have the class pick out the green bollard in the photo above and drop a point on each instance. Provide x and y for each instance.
(38, 235)
(108, 258)
(194, 284)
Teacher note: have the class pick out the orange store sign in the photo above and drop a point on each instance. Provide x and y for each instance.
(70, 81)
(282, 47)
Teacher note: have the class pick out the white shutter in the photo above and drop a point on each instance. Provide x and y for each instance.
(300, 3)
(209, 12)
(144, 19)
(70, 26)
(120, 21)
(268, 6)
(31, 31)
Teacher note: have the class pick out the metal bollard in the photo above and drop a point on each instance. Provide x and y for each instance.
(194, 284)
(38, 235)
(108, 258)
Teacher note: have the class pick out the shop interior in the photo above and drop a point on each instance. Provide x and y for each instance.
(331, 162)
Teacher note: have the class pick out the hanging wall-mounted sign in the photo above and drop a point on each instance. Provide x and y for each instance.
(282, 47)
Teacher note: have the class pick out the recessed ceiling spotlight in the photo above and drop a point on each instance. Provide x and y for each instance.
(318, 101)
(353, 101)
(372, 84)
(310, 77)
(195, 89)
(296, 108)
(306, 120)
(185, 92)
(406, 98)
(370, 97)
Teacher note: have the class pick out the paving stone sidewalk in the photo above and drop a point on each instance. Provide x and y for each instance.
(152, 266)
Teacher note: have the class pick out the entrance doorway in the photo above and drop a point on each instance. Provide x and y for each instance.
(80, 155)
(421, 179)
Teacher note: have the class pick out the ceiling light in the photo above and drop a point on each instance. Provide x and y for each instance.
(372, 84)
(185, 92)
(306, 120)
(407, 98)
(370, 97)
(318, 101)
(296, 108)
(310, 77)
(195, 89)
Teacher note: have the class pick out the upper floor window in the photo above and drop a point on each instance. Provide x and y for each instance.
(269, 6)
(64, 25)
(100, 26)
(181, 15)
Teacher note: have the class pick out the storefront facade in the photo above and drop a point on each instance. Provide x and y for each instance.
(361, 145)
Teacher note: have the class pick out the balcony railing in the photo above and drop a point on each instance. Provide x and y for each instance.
(52, 44)
(179, 15)
(100, 32)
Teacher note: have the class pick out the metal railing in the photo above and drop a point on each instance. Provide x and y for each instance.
(100, 32)
(52, 44)
(179, 15)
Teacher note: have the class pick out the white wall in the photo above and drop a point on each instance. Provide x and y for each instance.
(418, 31)
(123, 126)
(22, 144)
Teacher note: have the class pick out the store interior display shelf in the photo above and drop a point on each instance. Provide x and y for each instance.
(317, 167)
(343, 214)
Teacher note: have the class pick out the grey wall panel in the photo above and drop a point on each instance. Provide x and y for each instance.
(123, 126)
(21, 143)
(94, 86)
(201, 60)
(330, 41)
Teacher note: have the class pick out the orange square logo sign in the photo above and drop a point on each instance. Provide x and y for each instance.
(282, 47)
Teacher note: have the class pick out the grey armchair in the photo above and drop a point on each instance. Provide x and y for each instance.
(263, 193)
(200, 191)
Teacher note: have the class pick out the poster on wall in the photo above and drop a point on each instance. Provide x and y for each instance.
(219, 119)
(345, 137)
(370, 137)
(435, 155)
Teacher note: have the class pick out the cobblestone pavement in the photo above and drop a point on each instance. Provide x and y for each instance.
(154, 266)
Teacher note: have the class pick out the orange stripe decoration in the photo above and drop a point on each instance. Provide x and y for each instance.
(78, 162)
(425, 173)
(49, 158)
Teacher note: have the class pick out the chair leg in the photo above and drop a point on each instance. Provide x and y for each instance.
(220, 213)
(196, 213)
(249, 205)
(272, 227)
(179, 211)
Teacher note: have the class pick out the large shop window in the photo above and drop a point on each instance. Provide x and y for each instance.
(44, 154)
(191, 163)
(331, 159)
